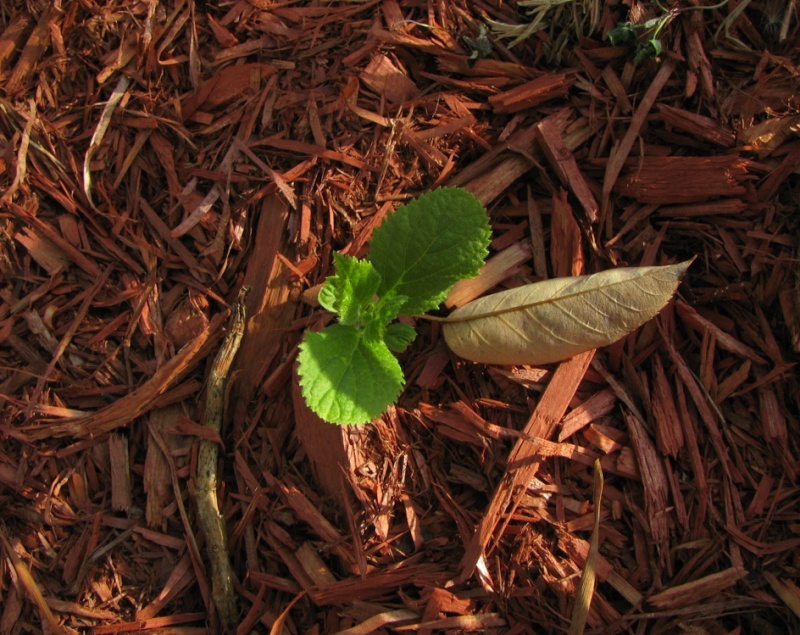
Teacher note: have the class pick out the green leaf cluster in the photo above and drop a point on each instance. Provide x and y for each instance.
(348, 371)
(630, 34)
(627, 34)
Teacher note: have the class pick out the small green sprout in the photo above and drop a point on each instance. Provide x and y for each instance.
(348, 371)
(628, 33)
(481, 46)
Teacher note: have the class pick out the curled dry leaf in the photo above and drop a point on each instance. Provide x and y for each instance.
(555, 319)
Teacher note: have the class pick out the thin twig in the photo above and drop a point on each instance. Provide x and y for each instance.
(208, 514)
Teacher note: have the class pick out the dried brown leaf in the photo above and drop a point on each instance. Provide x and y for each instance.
(552, 320)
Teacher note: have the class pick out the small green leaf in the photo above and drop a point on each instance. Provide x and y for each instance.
(648, 50)
(655, 47)
(398, 336)
(349, 293)
(428, 245)
(388, 308)
(623, 33)
(381, 314)
(345, 378)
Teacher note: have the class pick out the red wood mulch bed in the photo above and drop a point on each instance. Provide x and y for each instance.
(157, 155)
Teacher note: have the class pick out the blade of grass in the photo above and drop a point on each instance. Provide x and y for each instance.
(100, 133)
(583, 597)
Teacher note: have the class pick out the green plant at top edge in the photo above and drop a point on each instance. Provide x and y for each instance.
(628, 33)
(348, 371)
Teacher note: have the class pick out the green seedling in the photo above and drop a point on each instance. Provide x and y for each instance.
(348, 371)
(480, 46)
(628, 33)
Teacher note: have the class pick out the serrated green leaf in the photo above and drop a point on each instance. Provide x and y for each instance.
(350, 291)
(398, 336)
(381, 314)
(345, 378)
(388, 308)
(428, 245)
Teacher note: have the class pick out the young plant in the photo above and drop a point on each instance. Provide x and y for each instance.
(628, 33)
(480, 46)
(348, 371)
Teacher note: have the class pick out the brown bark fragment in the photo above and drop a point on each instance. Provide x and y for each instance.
(12, 38)
(622, 151)
(669, 434)
(676, 180)
(566, 257)
(34, 49)
(697, 125)
(118, 455)
(656, 485)
(522, 466)
(532, 93)
(565, 166)
(385, 77)
(697, 590)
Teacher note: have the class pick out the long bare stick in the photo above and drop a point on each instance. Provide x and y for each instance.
(208, 514)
